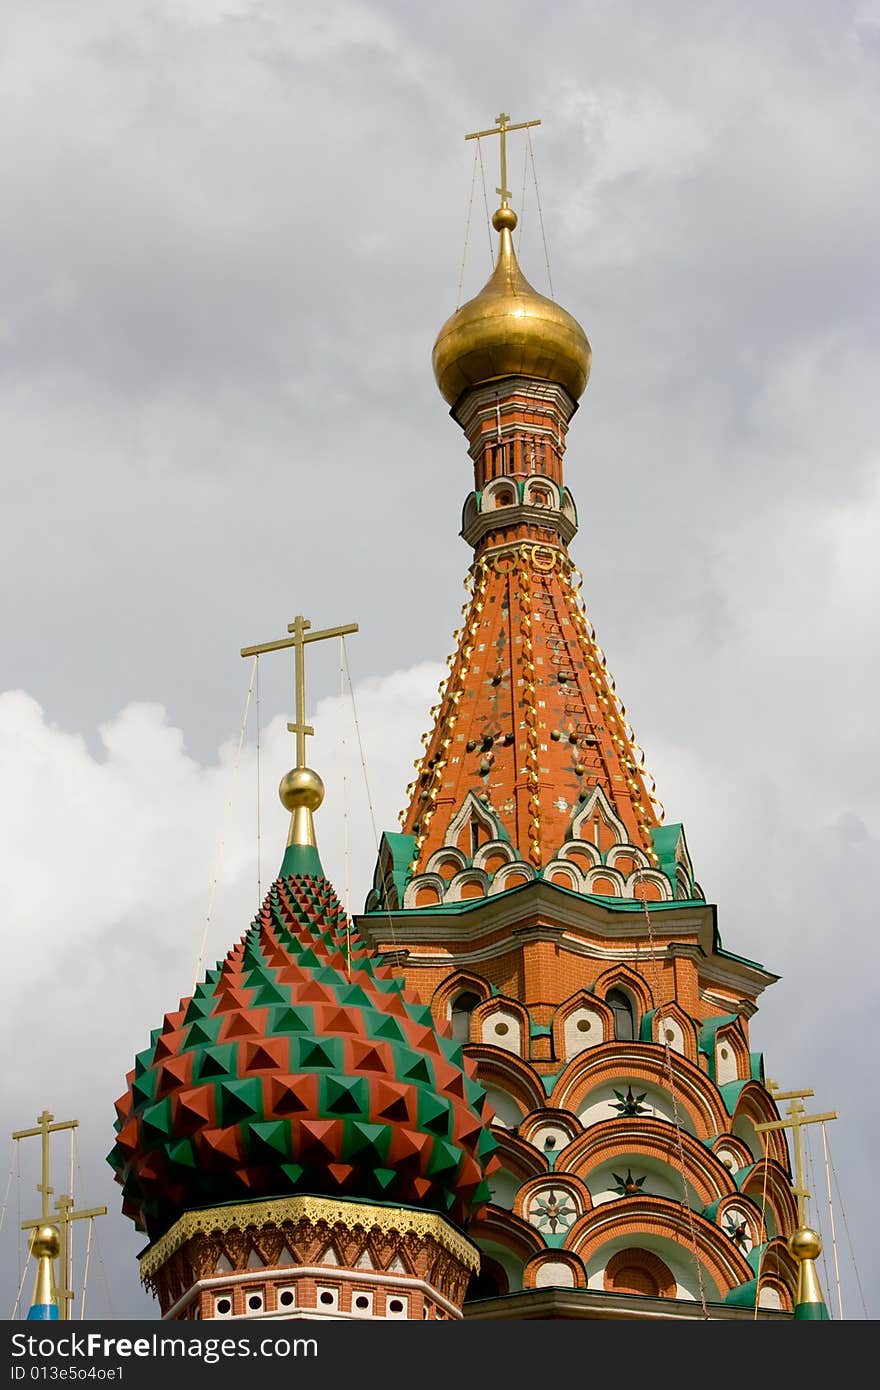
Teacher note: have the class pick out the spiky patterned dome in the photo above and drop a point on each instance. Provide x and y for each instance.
(287, 1071)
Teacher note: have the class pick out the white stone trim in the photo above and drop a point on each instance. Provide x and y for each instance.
(309, 1272)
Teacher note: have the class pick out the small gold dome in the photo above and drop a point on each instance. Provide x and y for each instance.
(508, 329)
(804, 1244)
(301, 787)
(45, 1241)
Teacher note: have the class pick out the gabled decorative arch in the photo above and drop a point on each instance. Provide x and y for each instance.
(598, 805)
(582, 853)
(607, 1139)
(424, 891)
(621, 977)
(490, 499)
(470, 883)
(605, 883)
(648, 884)
(512, 1017)
(470, 812)
(728, 1146)
(671, 1017)
(634, 1218)
(511, 876)
(447, 857)
(565, 874)
(518, 1154)
(500, 1227)
(734, 1066)
(554, 1269)
(541, 483)
(509, 1073)
(755, 1105)
(462, 982)
(577, 1190)
(606, 1065)
(582, 1007)
(561, 1122)
(501, 849)
(778, 1269)
(639, 1271)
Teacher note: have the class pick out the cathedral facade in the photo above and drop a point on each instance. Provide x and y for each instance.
(523, 1085)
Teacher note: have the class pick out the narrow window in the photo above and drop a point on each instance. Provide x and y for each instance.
(463, 1006)
(620, 1006)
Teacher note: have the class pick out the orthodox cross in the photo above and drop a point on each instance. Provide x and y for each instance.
(503, 125)
(64, 1212)
(45, 1127)
(301, 635)
(795, 1119)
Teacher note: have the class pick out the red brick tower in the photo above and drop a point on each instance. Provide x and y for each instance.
(538, 903)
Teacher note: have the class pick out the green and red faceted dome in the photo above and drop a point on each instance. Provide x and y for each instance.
(294, 1069)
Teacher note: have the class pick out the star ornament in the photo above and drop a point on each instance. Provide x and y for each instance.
(629, 1104)
(553, 1213)
(629, 1186)
(737, 1228)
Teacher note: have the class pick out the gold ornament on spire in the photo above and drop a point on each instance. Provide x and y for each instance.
(508, 329)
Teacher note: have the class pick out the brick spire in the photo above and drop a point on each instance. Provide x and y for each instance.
(531, 759)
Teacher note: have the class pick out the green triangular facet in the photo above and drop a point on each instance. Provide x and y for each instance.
(143, 1088)
(284, 1019)
(239, 1100)
(199, 1006)
(268, 1140)
(385, 1178)
(292, 1171)
(445, 1159)
(315, 1054)
(343, 1095)
(156, 1120)
(433, 1114)
(203, 1032)
(367, 1142)
(216, 1061)
(269, 993)
(183, 1153)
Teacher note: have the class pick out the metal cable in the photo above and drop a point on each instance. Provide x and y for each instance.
(222, 844)
(486, 202)
(467, 228)
(540, 213)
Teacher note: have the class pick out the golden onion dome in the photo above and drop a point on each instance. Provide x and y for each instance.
(508, 329)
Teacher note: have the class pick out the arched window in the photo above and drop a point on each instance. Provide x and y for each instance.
(463, 1006)
(620, 1006)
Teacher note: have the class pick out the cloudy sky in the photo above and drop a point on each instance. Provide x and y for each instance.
(230, 232)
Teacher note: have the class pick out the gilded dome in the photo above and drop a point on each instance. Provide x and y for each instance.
(508, 329)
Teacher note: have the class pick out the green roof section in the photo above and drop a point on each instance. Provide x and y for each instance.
(730, 1094)
(301, 861)
(811, 1312)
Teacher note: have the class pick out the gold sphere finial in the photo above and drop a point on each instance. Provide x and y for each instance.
(301, 787)
(804, 1244)
(45, 1241)
(504, 217)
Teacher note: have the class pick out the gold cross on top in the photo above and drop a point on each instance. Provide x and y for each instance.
(502, 126)
(795, 1119)
(301, 635)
